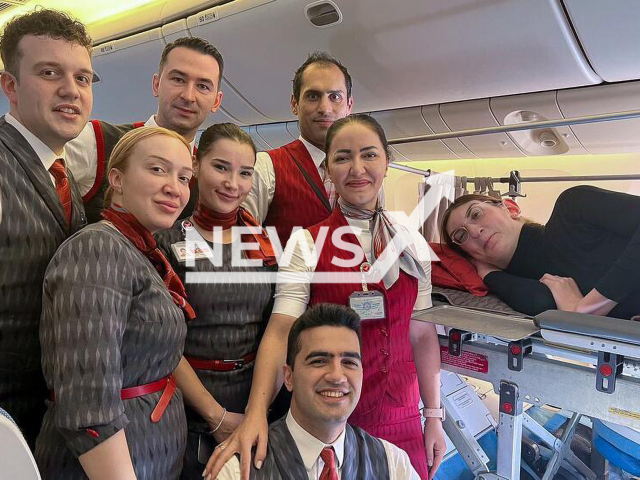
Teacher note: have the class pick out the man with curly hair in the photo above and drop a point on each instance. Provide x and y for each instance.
(47, 80)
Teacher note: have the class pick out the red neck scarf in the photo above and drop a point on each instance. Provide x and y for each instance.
(207, 219)
(143, 240)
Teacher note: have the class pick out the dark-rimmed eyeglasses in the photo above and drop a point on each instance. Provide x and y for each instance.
(474, 214)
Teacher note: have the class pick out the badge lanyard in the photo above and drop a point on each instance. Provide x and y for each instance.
(184, 250)
(368, 304)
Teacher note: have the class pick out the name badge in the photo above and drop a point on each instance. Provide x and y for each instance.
(184, 251)
(369, 305)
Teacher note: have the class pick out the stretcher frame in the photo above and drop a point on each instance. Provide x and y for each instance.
(549, 369)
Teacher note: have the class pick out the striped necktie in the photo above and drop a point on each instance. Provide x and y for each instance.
(62, 187)
(329, 472)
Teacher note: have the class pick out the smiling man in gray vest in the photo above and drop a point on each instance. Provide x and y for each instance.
(324, 374)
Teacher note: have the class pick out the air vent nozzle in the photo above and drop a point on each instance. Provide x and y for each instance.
(323, 14)
(538, 141)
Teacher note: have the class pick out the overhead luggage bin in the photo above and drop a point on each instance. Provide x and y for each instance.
(261, 145)
(293, 129)
(431, 115)
(234, 108)
(400, 54)
(137, 19)
(408, 122)
(237, 107)
(172, 10)
(234, 101)
(175, 30)
(608, 32)
(126, 69)
(275, 134)
(477, 114)
(620, 136)
(221, 116)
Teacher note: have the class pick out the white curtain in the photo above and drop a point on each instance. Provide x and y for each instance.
(442, 190)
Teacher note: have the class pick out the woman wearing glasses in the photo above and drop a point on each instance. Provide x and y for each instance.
(585, 259)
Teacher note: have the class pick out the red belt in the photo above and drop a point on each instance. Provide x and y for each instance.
(221, 365)
(168, 384)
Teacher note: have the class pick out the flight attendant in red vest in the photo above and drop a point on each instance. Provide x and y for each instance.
(401, 357)
(290, 185)
(187, 88)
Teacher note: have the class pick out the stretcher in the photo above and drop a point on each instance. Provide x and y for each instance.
(585, 364)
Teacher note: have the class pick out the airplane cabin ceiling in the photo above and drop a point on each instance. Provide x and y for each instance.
(126, 68)
(401, 53)
(609, 34)
(421, 66)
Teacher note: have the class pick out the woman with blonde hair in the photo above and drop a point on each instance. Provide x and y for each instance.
(113, 326)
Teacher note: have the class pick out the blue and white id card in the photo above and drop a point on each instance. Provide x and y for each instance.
(369, 305)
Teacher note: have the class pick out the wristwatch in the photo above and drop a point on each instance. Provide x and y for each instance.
(434, 413)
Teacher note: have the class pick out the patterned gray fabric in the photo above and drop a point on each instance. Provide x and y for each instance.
(364, 456)
(31, 229)
(108, 322)
(230, 320)
(459, 298)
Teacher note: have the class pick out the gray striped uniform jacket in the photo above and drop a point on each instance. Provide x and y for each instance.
(32, 227)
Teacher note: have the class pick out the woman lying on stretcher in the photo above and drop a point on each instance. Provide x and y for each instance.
(585, 259)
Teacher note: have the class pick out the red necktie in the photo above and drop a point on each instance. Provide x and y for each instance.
(329, 471)
(62, 187)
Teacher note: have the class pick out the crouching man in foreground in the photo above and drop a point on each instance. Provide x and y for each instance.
(324, 374)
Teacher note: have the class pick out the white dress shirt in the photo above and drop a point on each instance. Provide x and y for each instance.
(264, 180)
(310, 447)
(292, 298)
(82, 156)
(44, 153)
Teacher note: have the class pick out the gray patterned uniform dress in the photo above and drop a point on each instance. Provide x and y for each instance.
(108, 323)
(32, 227)
(230, 320)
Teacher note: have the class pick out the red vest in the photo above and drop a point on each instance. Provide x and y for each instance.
(295, 203)
(390, 383)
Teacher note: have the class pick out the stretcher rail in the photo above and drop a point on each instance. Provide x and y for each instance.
(583, 370)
